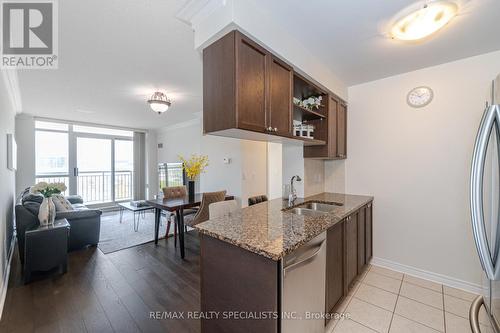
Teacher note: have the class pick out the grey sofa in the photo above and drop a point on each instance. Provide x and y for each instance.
(85, 223)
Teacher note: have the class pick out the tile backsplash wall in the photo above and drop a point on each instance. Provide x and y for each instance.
(314, 177)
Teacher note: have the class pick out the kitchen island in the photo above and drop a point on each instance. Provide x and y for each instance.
(244, 257)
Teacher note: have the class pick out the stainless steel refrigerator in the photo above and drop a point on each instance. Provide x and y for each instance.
(485, 203)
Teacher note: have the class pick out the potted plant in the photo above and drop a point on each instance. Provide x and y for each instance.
(47, 211)
(193, 167)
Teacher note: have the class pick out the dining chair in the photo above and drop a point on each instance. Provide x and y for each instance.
(257, 199)
(173, 192)
(203, 213)
(222, 208)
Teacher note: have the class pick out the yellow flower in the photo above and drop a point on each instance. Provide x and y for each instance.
(194, 165)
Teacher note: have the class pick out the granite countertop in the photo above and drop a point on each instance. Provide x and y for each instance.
(268, 229)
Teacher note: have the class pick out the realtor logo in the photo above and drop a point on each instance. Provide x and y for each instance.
(29, 34)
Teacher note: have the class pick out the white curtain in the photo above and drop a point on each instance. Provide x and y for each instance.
(139, 166)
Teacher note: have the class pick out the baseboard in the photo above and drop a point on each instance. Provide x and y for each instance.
(6, 273)
(431, 276)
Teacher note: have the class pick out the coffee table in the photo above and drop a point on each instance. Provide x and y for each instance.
(136, 210)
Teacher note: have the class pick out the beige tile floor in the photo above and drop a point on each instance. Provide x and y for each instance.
(383, 301)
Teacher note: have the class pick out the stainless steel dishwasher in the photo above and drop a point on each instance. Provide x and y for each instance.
(303, 287)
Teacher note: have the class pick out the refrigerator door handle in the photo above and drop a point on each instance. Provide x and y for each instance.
(491, 117)
(474, 314)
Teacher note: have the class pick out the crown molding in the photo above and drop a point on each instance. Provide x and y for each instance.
(12, 84)
(195, 11)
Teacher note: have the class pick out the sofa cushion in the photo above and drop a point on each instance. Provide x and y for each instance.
(74, 199)
(79, 207)
(32, 198)
(61, 203)
(32, 206)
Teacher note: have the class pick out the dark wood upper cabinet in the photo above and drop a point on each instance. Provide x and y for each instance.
(219, 85)
(252, 80)
(280, 100)
(248, 88)
(342, 131)
(334, 266)
(245, 87)
(334, 129)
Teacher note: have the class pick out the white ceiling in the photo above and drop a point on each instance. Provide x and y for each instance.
(113, 54)
(348, 35)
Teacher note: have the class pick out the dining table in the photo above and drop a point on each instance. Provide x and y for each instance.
(177, 206)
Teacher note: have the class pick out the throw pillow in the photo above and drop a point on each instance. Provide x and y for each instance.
(62, 204)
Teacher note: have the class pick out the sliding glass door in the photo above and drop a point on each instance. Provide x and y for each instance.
(94, 169)
(96, 163)
(124, 169)
(104, 168)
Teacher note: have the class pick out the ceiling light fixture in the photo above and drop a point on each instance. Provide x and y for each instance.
(424, 21)
(159, 102)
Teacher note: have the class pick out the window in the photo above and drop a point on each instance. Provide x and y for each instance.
(102, 130)
(170, 174)
(51, 126)
(101, 160)
(51, 153)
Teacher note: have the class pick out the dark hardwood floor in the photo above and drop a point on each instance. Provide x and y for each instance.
(109, 293)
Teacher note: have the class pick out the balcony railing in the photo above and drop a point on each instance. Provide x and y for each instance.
(55, 179)
(95, 186)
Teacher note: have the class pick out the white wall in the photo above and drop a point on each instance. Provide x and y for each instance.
(25, 137)
(293, 164)
(244, 176)
(253, 169)
(220, 176)
(416, 163)
(274, 170)
(7, 194)
(151, 164)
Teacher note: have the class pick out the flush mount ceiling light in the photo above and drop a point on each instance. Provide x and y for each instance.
(159, 102)
(424, 21)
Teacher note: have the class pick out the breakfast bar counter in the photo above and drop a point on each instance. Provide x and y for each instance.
(271, 260)
(272, 230)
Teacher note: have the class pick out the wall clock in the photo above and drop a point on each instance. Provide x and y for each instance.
(419, 97)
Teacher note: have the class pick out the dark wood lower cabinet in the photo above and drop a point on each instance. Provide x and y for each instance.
(334, 266)
(351, 231)
(236, 280)
(369, 232)
(349, 249)
(361, 240)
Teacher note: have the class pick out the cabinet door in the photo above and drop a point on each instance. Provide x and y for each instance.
(369, 231)
(251, 84)
(351, 248)
(280, 97)
(334, 265)
(361, 240)
(342, 131)
(333, 107)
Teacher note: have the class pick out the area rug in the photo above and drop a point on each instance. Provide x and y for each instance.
(116, 236)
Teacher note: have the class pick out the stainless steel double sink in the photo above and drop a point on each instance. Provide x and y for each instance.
(314, 208)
